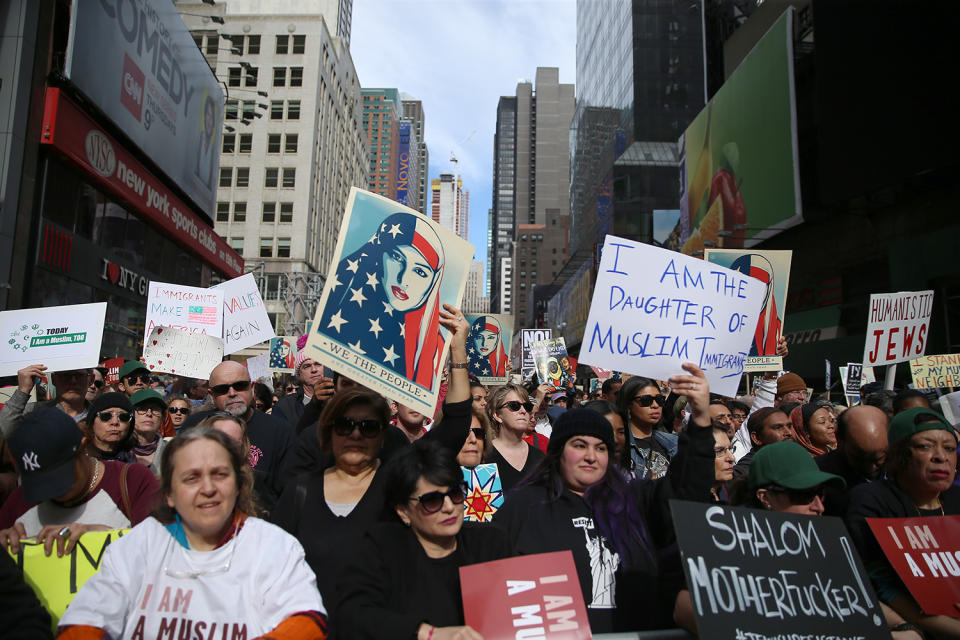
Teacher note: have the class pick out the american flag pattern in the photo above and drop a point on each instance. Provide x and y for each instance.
(494, 364)
(767, 332)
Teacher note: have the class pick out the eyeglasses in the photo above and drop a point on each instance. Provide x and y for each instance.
(432, 501)
(477, 432)
(134, 378)
(223, 389)
(515, 405)
(107, 416)
(739, 417)
(145, 410)
(648, 400)
(98, 383)
(722, 451)
(290, 389)
(799, 496)
(184, 411)
(368, 428)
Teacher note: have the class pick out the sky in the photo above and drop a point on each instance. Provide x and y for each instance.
(458, 57)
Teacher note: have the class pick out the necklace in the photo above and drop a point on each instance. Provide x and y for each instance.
(93, 481)
(917, 509)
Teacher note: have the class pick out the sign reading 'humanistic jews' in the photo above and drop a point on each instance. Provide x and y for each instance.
(655, 309)
(378, 318)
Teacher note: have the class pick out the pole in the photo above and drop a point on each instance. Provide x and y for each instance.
(891, 374)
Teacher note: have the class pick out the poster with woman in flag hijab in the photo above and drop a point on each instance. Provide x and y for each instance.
(378, 318)
(773, 269)
(487, 344)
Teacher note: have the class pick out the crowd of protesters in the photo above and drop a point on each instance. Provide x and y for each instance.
(325, 509)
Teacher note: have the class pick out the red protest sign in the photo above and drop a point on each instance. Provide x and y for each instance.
(925, 552)
(113, 370)
(534, 596)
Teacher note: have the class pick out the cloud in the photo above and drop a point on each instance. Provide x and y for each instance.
(458, 57)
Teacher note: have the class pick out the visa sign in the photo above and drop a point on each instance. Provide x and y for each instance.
(403, 168)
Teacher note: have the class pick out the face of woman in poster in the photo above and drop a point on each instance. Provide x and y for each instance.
(407, 278)
(486, 341)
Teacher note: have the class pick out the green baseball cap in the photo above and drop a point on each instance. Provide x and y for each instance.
(130, 366)
(788, 465)
(146, 395)
(906, 423)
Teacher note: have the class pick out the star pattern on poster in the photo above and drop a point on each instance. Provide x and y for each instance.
(353, 265)
(358, 296)
(336, 321)
(372, 280)
(375, 327)
(484, 493)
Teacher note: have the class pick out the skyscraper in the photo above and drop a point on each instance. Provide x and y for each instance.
(500, 241)
(413, 111)
(450, 205)
(381, 118)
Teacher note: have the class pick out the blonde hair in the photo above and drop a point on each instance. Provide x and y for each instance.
(495, 402)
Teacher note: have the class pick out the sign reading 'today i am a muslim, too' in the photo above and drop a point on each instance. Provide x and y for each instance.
(655, 309)
(61, 338)
(753, 574)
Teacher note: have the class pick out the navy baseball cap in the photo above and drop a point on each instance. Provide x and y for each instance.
(44, 447)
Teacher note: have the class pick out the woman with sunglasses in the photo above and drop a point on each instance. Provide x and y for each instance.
(148, 414)
(330, 509)
(178, 409)
(648, 449)
(509, 409)
(108, 428)
(405, 581)
(233, 575)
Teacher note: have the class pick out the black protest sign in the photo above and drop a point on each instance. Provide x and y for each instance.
(755, 574)
(528, 337)
(854, 373)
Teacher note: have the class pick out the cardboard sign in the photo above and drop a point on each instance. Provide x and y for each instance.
(186, 308)
(112, 366)
(925, 552)
(245, 320)
(535, 596)
(754, 573)
(484, 492)
(283, 352)
(62, 338)
(773, 269)
(378, 317)
(853, 378)
(866, 377)
(487, 343)
(936, 372)
(655, 309)
(182, 353)
(259, 366)
(898, 326)
(552, 363)
(950, 406)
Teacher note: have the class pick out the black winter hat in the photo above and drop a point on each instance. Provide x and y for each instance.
(580, 422)
(109, 401)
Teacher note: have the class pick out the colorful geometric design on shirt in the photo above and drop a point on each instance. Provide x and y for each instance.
(484, 493)
(202, 314)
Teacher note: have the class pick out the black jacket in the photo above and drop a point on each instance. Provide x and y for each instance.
(290, 407)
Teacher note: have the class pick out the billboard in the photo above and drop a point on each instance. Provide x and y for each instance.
(403, 162)
(739, 177)
(137, 62)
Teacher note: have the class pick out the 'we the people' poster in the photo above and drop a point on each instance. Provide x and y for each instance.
(487, 345)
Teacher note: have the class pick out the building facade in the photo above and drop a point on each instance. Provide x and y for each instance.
(502, 219)
(474, 298)
(539, 254)
(382, 114)
(413, 111)
(450, 204)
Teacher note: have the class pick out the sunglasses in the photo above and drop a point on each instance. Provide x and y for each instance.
(799, 496)
(137, 377)
(98, 383)
(107, 416)
(647, 400)
(432, 501)
(223, 389)
(515, 405)
(184, 411)
(368, 428)
(477, 432)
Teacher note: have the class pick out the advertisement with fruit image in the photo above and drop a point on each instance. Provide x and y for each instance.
(739, 177)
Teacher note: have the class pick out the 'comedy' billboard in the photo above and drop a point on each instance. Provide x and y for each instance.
(403, 164)
(739, 175)
(136, 60)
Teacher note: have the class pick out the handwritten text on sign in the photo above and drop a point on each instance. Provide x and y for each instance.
(897, 327)
(245, 320)
(936, 372)
(753, 573)
(654, 309)
(186, 354)
(178, 306)
(925, 552)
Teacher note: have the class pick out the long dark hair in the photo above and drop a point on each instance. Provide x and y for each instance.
(338, 405)
(425, 459)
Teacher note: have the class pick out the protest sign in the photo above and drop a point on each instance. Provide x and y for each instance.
(950, 406)
(936, 372)
(602, 373)
(484, 492)
(528, 337)
(178, 306)
(112, 365)
(62, 338)
(490, 334)
(852, 383)
(847, 378)
(753, 573)
(259, 366)
(378, 317)
(536, 596)
(655, 309)
(827, 367)
(283, 352)
(178, 351)
(56, 579)
(245, 320)
(552, 363)
(925, 552)
(773, 269)
(898, 326)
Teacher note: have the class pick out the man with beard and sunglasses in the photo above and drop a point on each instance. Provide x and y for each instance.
(270, 437)
(71, 389)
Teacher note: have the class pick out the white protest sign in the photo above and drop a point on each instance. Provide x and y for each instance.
(654, 309)
(259, 366)
(62, 338)
(897, 327)
(181, 352)
(178, 306)
(245, 320)
(528, 337)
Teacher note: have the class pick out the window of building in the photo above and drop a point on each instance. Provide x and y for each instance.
(239, 211)
(213, 43)
(272, 287)
(246, 142)
(253, 74)
(296, 76)
(271, 177)
(269, 211)
(293, 110)
(273, 143)
(223, 211)
(237, 245)
(276, 109)
(233, 79)
(249, 109)
(299, 44)
(523, 238)
(292, 140)
(266, 247)
(198, 40)
(253, 45)
(286, 212)
(283, 247)
(232, 110)
(283, 44)
(289, 178)
(226, 176)
(279, 76)
(229, 143)
(243, 177)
